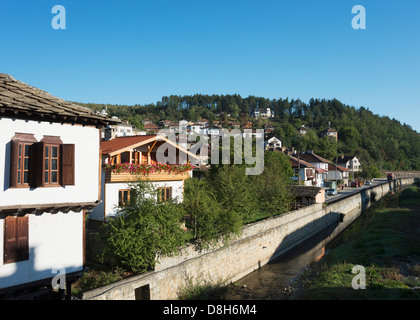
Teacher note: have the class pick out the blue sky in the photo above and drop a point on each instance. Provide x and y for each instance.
(135, 52)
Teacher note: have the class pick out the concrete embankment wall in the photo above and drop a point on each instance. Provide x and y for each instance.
(258, 244)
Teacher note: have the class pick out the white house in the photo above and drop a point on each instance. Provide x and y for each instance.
(210, 130)
(320, 163)
(350, 162)
(195, 128)
(336, 172)
(304, 172)
(139, 152)
(272, 144)
(120, 130)
(263, 113)
(50, 165)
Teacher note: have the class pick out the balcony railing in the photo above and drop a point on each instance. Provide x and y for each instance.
(126, 172)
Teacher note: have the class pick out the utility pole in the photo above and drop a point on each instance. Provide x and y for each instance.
(298, 168)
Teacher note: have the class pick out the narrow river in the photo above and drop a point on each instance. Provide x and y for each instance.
(272, 281)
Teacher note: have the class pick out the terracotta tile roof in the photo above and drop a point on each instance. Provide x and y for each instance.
(121, 144)
(303, 164)
(150, 126)
(313, 158)
(20, 100)
(331, 167)
(109, 146)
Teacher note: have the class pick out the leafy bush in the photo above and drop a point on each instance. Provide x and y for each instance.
(142, 229)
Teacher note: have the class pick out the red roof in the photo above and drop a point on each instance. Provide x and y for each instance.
(150, 126)
(295, 163)
(118, 143)
(331, 167)
(312, 157)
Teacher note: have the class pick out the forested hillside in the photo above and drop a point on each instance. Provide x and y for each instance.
(378, 140)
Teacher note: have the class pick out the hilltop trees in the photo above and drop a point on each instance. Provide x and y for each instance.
(379, 140)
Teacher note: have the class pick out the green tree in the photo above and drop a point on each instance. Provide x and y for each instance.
(271, 187)
(142, 229)
(203, 211)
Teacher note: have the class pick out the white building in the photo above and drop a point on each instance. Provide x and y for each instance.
(304, 172)
(336, 172)
(121, 130)
(138, 151)
(50, 165)
(272, 144)
(351, 162)
(263, 113)
(320, 163)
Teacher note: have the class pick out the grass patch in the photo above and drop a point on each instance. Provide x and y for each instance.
(203, 290)
(95, 278)
(386, 243)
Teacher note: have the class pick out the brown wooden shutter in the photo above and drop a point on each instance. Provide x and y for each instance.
(22, 238)
(14, 158)
(10, 243)
(16, 239)
(39, 157)
(68, 164)
(32, 165)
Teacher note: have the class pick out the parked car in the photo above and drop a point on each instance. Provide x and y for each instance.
(331, 192)
(368, 182)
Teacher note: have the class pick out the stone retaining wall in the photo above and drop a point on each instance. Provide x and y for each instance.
(258, 244)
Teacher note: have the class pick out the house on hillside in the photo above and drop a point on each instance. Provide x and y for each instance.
(336, 172)
(131, 158)
(330, 133)
(50, 165)
(151, 128)
(210, 130)
(203, 122)
(350, 162)
(123, 129)
(320, 163)
(263, 113)
(304, 172)
(247, 125)
(272, 144)
(303, 130)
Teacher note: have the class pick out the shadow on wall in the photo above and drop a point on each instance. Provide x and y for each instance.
(34, 289)
(6, 174)
(319, 230)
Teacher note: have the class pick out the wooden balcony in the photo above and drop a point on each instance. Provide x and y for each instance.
(156, 176)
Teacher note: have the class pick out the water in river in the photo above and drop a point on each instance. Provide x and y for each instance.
(272, 281)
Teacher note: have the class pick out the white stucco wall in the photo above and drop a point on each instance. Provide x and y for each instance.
(86, 140)
(111, 192)
(55, 240)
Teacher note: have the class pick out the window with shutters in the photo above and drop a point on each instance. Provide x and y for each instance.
(16, 239)
(51, 161)
(21, 160)
(125, 196)
(48, 163)
(164, 194)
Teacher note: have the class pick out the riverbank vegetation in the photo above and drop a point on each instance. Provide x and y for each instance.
(386, 242)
